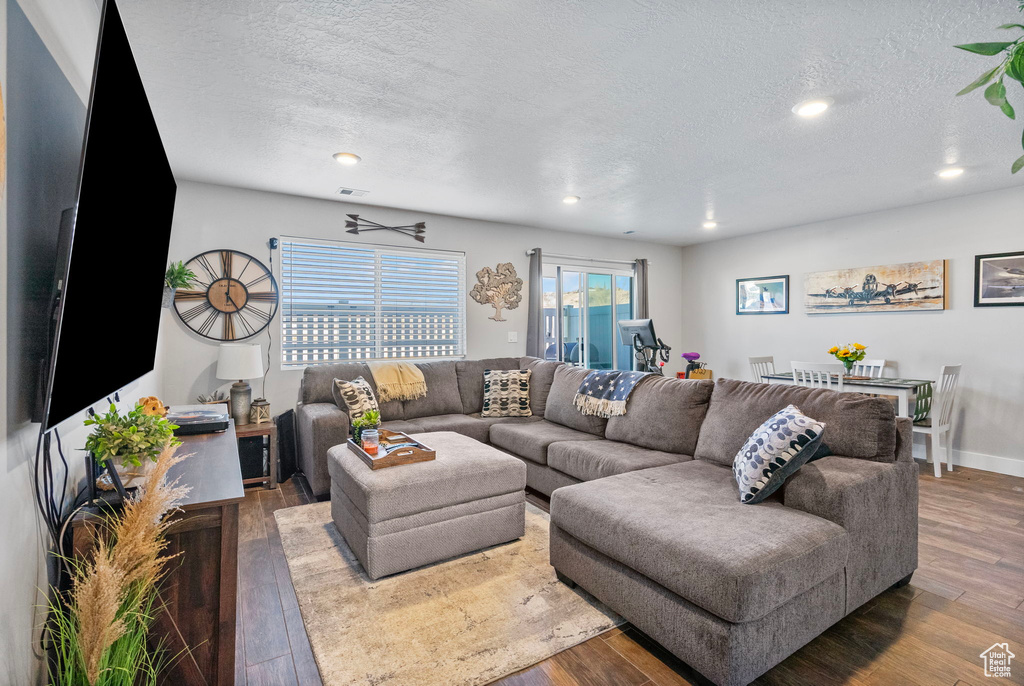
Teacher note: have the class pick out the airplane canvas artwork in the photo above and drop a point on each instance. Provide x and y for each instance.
(999, 279)
(906, 287)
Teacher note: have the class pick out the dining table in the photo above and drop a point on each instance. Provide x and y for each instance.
(914, 395)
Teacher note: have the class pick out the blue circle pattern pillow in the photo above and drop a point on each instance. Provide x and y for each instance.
(779, 447)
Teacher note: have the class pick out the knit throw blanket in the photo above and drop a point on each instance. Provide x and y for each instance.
(397, 381)
(604, 394)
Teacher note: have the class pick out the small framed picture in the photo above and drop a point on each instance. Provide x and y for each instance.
(999, 279)
(763, 295)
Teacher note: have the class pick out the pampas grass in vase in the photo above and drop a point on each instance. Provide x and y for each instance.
(99, 629)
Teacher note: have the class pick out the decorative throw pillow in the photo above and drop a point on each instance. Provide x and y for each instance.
(776, 449)
(355, 397)
(506, 393)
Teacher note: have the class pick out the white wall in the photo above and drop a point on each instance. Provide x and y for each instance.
(989, 341)
(208, 217)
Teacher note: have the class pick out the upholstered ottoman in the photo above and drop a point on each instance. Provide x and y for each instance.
(470, 497)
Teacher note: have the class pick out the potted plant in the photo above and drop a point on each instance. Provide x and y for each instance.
(177, 276)
(131, 442)
(369, 420)
(99, 630)
(848, 354)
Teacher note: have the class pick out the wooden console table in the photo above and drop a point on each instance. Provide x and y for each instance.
(199, 592)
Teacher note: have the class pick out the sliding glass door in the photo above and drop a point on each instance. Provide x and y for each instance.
(582, 309)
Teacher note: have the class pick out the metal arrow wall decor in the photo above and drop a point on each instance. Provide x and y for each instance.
(356, 225)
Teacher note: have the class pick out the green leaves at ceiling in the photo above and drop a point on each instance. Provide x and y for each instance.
(1011, 65)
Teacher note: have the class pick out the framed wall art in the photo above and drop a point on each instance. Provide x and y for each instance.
(904, 287)
(999, 279)
(763, 295)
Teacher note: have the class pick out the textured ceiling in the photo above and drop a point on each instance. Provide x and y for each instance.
(656, 113)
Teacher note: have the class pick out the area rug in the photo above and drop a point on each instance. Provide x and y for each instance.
(465, 621)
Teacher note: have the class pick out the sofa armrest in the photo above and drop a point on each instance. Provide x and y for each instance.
(905, 440)
(321, 426)
(876, 502)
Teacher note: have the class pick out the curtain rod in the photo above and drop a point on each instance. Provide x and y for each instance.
(585, 259)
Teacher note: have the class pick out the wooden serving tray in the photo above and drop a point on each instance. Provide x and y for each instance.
(399, 456)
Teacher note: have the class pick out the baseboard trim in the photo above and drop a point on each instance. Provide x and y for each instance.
(987, 463)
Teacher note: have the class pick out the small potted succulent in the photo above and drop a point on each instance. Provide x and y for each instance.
(369, 420)
(177, 276)
(130, 442)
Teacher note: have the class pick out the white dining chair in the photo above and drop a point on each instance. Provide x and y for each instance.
(872, 368)
(940, 422)
(760, 366)
(818, 374)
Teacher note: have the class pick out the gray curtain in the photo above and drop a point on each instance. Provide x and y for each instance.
(643, 308)
(535, 321)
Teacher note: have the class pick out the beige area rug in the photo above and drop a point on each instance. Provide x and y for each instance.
(465, 621)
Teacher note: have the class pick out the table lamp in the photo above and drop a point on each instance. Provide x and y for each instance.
(240, 361)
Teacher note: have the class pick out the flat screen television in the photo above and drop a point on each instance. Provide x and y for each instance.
(114, 242)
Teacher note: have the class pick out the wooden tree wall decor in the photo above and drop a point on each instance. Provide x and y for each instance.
(500, 288)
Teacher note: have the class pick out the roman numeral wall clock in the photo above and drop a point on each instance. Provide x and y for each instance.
(235, 296)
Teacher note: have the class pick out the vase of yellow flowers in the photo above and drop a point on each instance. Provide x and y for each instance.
(848, 354)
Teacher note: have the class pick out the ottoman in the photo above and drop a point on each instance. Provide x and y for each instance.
(470, 497)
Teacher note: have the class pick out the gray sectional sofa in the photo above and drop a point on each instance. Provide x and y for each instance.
(645, 512)
(559, 445)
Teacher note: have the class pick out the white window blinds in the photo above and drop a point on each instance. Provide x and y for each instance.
(352, 301)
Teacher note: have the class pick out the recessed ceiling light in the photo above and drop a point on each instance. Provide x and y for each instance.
(949, 172)
(709, 225)
(347, 158)
(571, 199)
(812, 108)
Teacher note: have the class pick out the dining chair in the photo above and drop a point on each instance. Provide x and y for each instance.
(761, 366)
(872, 368)
(944, 397)
(818, 374)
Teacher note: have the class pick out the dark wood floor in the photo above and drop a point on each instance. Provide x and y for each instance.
(967, 594)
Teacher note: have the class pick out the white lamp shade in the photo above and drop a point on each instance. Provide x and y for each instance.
(239, 361)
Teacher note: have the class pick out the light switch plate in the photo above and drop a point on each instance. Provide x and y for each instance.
(513, 336)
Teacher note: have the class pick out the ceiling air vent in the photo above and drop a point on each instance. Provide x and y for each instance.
(351, 192)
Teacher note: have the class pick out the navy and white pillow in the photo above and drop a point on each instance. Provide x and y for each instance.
(355, 397)
(779, 447)
(507, 393)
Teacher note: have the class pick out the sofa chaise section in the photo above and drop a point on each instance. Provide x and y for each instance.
(731, 588)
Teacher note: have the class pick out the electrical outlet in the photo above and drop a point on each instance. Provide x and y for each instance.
(513, 336)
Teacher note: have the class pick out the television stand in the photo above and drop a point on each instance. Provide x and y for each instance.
(200, 589)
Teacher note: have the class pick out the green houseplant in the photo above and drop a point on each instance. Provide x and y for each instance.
(177, 276)
(369, 420)
(129, 439)
(1011, 65)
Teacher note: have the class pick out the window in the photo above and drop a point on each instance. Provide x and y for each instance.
(352, 301)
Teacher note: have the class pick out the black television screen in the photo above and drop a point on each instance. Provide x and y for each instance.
(108, 318)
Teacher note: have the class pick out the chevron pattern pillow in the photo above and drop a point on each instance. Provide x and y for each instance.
(507, 393)
(775, 450)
